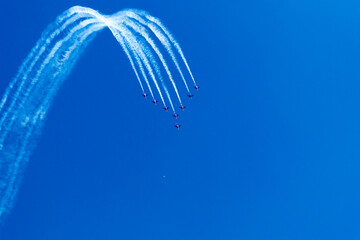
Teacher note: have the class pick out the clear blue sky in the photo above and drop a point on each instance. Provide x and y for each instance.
(269, 147)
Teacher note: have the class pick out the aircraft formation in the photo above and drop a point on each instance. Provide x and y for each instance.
(166, 108)
(145, 40)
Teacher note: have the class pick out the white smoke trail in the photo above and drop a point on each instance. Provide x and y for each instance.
(143, 73)
(33, 58)
(26, 101)
(144, 55)
(39, 49)
(111, 24)
(40, 70)
(136, 48)
(22, 150)
(126, 50)
(163, 39)
(170, 36)
(142, 31)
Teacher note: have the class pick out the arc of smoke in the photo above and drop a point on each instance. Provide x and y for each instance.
(145, 55)
(142, 31)
(36, 52)
(29, 95)
(46, 42)
(139, 51)
(112, 26)
(42, 67)
(170, 36)
(163, 39)
(12, 189)
(126, 50)
(143, 73)
(136, 50)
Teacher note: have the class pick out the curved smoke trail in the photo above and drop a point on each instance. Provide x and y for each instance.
(28, 97)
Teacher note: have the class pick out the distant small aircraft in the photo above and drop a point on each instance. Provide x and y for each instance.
(144, 95)
(166, 108)
(182, 107)
(154, 101)
(196, 87)
(175, 115)
(177, 126)
(190, 96)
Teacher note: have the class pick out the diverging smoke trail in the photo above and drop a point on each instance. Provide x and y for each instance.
(26, 101)
(163, 39)
(169, 35)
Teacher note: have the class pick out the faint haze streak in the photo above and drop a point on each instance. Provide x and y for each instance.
(26, 101)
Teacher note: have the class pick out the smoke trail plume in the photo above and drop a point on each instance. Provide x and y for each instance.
(26, 101)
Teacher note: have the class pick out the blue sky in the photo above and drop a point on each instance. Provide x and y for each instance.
(269, 148)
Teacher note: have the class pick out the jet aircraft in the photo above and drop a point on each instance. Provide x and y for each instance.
(182, 107)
